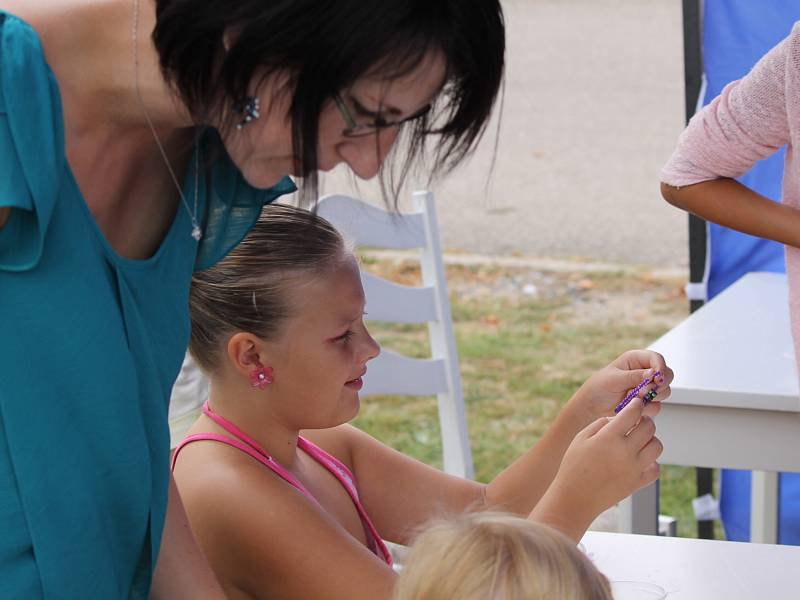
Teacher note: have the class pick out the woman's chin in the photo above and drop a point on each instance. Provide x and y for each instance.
(263, 174)
(263, 179)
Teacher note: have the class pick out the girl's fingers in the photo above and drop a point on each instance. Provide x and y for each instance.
(641, 359)
(627, 418)
(596, 426)
(631, 378)
(661, 393)
(650, 474)
(668, 376)
(652, 409)
(651, 451)
(642, 433)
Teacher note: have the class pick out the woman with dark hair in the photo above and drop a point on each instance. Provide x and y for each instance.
(138, 142)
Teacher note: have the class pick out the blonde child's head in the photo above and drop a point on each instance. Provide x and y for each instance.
(494, 556)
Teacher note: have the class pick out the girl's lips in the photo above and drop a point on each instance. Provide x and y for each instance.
(355, 384)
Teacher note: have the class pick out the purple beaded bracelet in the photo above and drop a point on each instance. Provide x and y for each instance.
(635, 392)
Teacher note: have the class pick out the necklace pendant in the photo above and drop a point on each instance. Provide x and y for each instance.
(197, 233)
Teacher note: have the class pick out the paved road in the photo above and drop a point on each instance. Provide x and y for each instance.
(593, 106)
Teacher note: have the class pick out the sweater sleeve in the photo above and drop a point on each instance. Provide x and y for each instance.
(744, 124)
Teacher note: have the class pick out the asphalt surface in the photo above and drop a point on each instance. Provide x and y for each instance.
(592, 109)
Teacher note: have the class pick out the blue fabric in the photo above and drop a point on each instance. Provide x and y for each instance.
(90, 344)
(736, 34)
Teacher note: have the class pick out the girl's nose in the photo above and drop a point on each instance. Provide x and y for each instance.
(370, 349)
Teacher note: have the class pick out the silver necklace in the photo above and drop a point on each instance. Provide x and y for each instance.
(197, 232)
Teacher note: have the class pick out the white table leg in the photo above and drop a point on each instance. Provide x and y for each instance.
(764, 507)
(639, 513)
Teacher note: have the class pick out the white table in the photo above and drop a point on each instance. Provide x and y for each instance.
(690, 569)
(735, 401)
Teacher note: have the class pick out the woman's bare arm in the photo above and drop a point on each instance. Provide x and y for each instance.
(182, 570)
(731, 204)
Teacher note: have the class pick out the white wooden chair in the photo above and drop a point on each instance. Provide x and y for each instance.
(391, 373)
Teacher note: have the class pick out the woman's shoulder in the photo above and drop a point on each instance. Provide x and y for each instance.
(29, 94)
(21, 42)
(31, 144)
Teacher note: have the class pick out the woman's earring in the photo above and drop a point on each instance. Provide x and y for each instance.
(261, 377)
(249, 110)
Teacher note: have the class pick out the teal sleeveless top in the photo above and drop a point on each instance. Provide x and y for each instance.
(90, 345)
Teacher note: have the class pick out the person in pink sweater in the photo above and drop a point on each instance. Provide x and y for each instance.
(750, 120)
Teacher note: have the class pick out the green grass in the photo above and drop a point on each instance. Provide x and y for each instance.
(521, 359)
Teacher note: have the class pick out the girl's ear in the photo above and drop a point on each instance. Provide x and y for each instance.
(244, 352)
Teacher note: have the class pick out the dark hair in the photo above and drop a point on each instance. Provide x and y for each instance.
(247, 290)
(325, 46)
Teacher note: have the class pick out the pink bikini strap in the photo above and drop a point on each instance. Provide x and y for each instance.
(331, 463)
(347, 479)
(252, 449)
(264, 460)
(232, 429)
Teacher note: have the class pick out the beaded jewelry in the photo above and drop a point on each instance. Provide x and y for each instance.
(648, 397)
(250, 110)
(197, 231)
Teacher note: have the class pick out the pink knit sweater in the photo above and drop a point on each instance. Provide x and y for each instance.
(751, 119)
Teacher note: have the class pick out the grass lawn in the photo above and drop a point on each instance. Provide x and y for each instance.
(526, 340)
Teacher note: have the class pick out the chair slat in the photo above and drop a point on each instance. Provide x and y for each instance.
(392, 373)
(367, 225)
(388, 301)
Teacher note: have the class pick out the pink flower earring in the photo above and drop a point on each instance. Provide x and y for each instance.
(261, 377)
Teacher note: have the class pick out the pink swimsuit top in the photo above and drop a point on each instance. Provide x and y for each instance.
(249, 446)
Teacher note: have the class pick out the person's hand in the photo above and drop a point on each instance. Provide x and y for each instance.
(606, 462)
(604, 390)
(611, 458)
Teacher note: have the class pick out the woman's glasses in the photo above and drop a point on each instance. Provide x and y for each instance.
(354, 129)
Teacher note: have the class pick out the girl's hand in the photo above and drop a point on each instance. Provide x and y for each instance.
(604, 390)
(606, 462)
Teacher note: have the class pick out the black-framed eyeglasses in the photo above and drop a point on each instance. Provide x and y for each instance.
(354, 129)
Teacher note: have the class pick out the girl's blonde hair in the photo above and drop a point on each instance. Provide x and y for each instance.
(494, 556)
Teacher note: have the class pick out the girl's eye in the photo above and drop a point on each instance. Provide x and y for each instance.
(345, 337)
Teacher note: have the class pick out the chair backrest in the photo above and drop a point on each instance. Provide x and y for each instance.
(391, 373)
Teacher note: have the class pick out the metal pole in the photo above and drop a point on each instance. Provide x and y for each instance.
(693, 75)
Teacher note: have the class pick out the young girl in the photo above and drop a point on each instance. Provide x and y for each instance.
(495, 555)
(278, 327)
